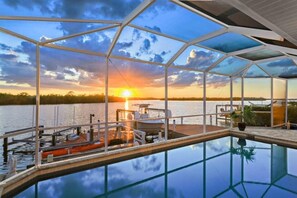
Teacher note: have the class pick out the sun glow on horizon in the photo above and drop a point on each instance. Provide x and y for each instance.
(126, 93)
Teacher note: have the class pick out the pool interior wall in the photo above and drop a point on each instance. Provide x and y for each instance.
(62, 169)
(69, 166)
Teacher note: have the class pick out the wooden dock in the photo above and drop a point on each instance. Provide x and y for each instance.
(181, 130)
(177, 131)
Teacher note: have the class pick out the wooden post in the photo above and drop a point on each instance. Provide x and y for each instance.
(5, 149)
(53, 140)
(91, 128)
(117, 118)
(78, 130)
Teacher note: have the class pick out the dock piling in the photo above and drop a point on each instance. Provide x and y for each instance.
(91, 128)
(5, 149)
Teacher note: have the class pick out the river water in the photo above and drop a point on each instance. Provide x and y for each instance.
(17, 117)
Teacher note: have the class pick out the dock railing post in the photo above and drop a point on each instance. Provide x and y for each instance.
(91, 128)
(210, 119)
(5, 149)
(98, 136)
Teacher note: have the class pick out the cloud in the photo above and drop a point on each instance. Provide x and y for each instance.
(289, 72)
(8, 56)
(5, 47)
(154, 38)
(16, 72)
(127, 73)
(91, 9)
(281, 63)
(216, 81)
(155, 28)
(159, 7)
(201, 59)
(182, 79)
(145, 47)
(136, 35)
(157, 58)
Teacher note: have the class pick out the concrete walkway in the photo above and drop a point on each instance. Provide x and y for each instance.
(278, 136)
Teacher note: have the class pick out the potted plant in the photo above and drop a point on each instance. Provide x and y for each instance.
(243, 118)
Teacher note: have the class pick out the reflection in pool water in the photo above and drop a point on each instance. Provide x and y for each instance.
(223, 167)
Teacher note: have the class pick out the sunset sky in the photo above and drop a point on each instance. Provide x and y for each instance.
(64, 71)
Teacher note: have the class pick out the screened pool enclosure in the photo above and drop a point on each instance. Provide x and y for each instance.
(191, 43)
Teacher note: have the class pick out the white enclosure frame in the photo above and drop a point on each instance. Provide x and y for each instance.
(249, 32)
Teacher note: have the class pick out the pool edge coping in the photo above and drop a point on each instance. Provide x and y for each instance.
(68, 165)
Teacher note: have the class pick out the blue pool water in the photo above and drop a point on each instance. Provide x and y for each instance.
(225, 167)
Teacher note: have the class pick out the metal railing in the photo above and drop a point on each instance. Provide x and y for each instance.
(102, 128)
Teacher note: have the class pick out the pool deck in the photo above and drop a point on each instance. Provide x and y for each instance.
(181, 130)
(270, 135)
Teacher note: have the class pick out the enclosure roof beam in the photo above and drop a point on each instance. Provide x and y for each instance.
(18, 35)
(180, 3)
(264, 70)
(137, 11)
(23, 18)
(244, 69)
(216, 63)
(243, 51)
(78, 34)
(194, 41)
(282, 49)
(156, 32)
(266, 34)
(185, 68)
(136, 60)
(270, 59)
(74, 50)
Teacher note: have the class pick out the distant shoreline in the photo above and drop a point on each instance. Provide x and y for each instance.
(26, 99)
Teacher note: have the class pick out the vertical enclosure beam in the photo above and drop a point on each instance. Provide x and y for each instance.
(287, 93)
(106, 107)
(271, 106)
(204, 102)
(37, 109)
(242, 94)
(231, 99)
(166, 104)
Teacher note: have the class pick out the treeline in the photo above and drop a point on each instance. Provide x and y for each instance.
(26, 99)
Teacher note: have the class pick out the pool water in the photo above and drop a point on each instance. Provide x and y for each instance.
(225, 167)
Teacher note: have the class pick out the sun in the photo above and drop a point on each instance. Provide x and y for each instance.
(126, 93)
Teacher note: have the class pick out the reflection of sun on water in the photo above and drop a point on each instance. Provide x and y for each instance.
(126, 94)
(127, 104)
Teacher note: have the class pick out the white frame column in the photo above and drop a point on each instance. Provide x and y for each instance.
(287, 93)
(271, 106)
(231, 99)
(242, 93)
(106, 108)
(37, 109)
(204, 101)
(166, 104)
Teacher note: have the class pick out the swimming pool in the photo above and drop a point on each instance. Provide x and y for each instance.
(224, 167)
